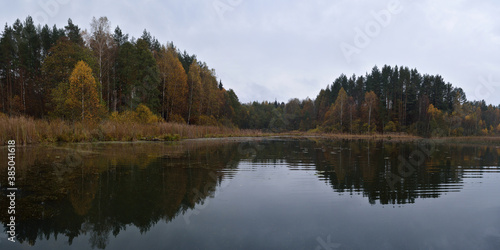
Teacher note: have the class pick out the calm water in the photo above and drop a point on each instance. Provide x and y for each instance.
(257, 194)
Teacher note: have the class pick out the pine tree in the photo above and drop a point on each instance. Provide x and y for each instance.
(73, 33)
(56, 70)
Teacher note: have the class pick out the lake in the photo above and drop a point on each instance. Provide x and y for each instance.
(255, 193)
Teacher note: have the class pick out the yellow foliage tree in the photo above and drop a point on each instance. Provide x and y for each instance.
(83, 100)
(194, 81)
(370, 103)
(208, 103)
(337, 111)
(174, 82)
(340, 106)
(434, 112)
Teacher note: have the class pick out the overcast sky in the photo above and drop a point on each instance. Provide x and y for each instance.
(267, 50)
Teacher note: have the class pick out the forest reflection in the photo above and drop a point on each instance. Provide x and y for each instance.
(100, 189)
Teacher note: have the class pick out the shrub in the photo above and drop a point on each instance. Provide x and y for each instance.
(390, 127)
(142, 114)
(314, 130)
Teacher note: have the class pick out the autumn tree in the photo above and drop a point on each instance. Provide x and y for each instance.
(370, 104)
(234, 103)
(83, 100)
(209, 88)
(56, 70)
(307, 118)
(340, 106)
(36, 62)
(352, 107)
(436, 117)
(322, 104)
(291, 114)
(101, 43)
(194, 82)
(174, 83)
(337, 111)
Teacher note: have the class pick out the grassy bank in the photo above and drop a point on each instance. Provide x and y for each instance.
(27, 130)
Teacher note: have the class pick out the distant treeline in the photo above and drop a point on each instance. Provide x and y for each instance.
(393, 99)
(89, 75)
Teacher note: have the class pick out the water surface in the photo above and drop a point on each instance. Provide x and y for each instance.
(256, 194)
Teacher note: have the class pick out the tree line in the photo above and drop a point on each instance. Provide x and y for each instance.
(386, 100)
(70, 73)
(41, 71)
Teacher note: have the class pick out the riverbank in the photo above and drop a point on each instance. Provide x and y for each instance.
(27, 130)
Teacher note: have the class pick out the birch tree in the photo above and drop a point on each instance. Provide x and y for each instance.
(82, 98)
(101, 41)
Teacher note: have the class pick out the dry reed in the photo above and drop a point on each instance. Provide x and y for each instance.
(26, 130)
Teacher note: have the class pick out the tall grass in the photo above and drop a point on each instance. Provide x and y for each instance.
(26, 130)
(21, 129)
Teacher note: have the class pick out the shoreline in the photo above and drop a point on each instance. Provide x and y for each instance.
(469, 140)
(28, 131)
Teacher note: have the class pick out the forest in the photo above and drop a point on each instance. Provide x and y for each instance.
(71, 74)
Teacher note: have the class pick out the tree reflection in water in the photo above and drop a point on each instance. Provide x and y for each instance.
(100, 189)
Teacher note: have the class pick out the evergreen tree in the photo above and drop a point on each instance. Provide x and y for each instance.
(73, 33)
(56, 70)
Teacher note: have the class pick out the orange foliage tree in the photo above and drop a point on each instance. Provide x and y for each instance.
(194, 81)
(174, 83)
